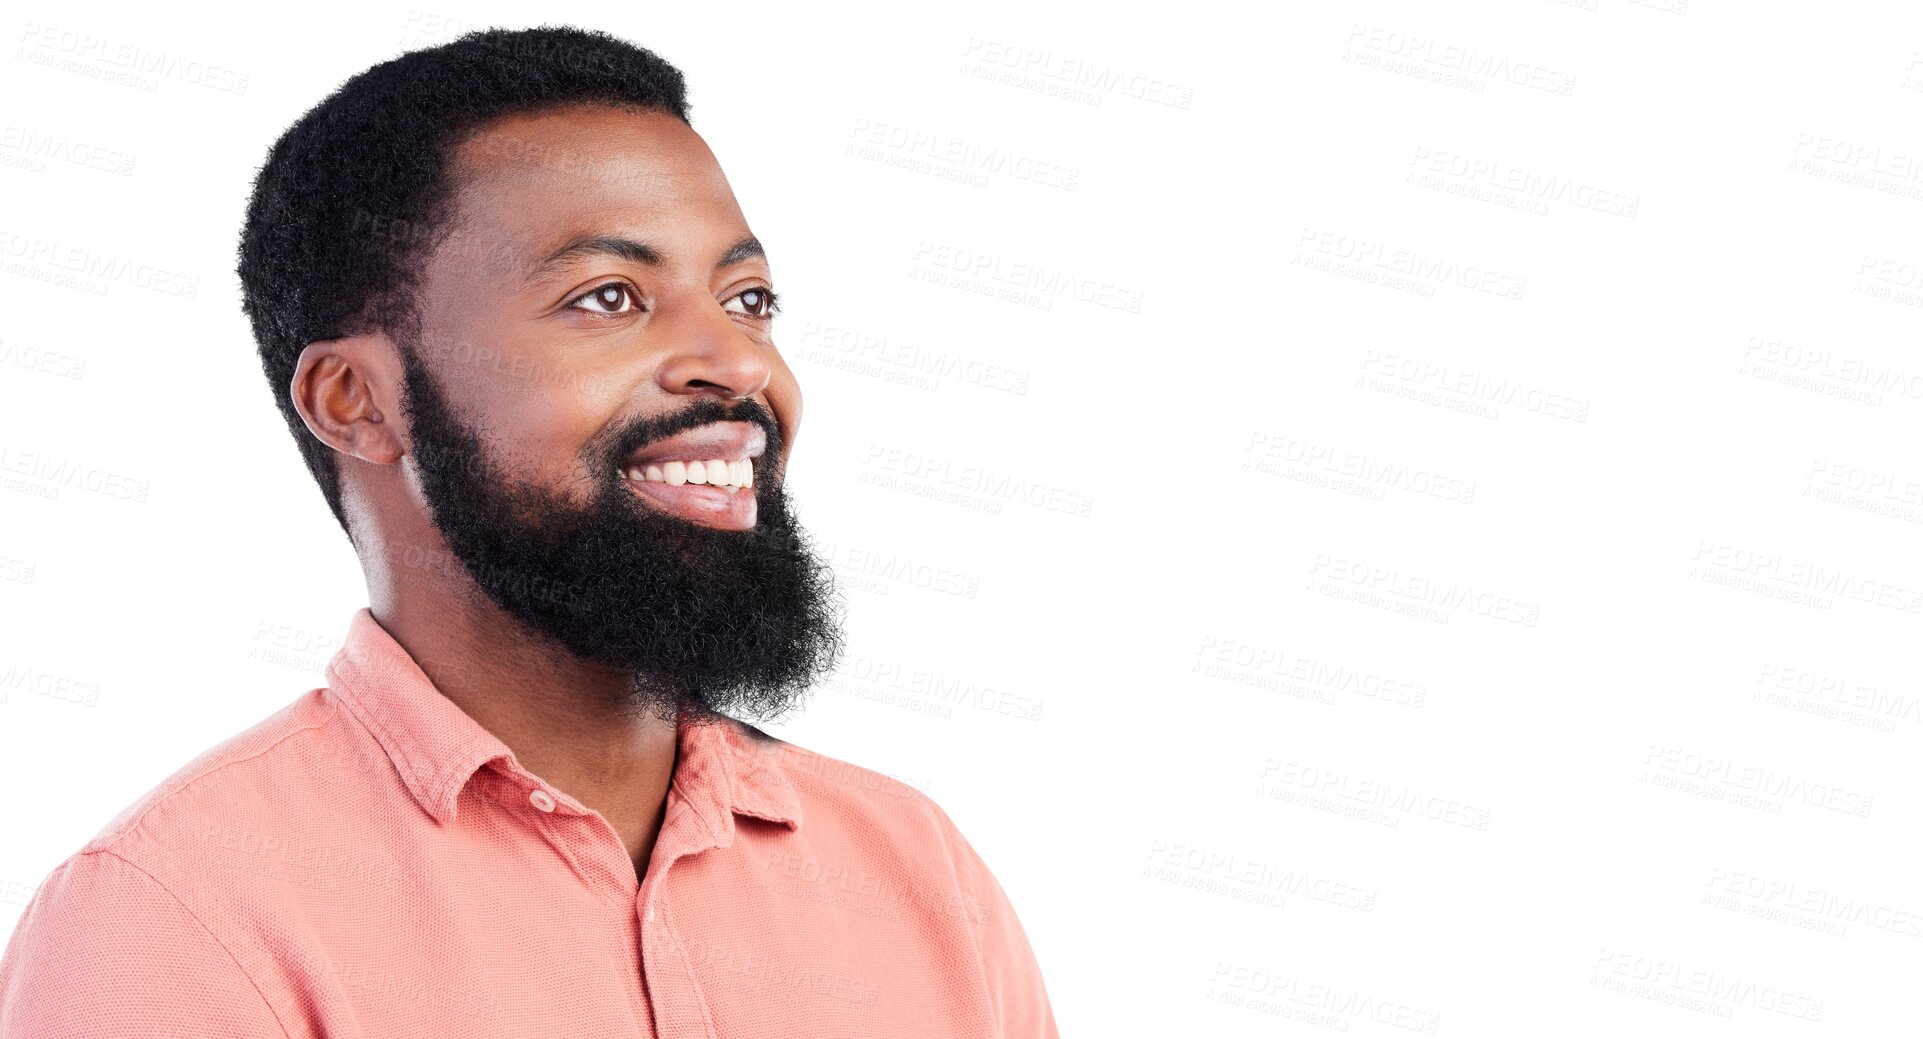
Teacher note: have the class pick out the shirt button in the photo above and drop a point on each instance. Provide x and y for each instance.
(650, 912)
(541, 800)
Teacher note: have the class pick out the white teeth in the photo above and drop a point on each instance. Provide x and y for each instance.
(718, 472)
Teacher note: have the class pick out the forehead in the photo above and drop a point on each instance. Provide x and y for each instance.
(527, 183)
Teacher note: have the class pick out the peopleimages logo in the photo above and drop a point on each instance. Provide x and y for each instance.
(44, 253)
(100, 50)
(1771, 572)
(1415, 266)
(1455, 57)
(1726, 774)
(1073, 78)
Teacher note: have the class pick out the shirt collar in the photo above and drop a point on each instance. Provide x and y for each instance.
(726, 767)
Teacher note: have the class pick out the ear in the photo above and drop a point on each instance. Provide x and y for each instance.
(347, 390)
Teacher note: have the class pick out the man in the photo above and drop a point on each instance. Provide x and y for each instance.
(521, 332)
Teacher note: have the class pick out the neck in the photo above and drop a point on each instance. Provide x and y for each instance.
(562, 717)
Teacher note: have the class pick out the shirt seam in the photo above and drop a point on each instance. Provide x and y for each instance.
(720, 763)
(687, 968)
(751, 780)
(453, 780)
(139, 820)
(269, 1004)
(997, 999)
(396, 747)
(730, 786)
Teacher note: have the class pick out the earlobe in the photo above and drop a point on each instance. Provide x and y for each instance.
(335, 386)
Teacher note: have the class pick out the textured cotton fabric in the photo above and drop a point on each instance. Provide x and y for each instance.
(370, 861)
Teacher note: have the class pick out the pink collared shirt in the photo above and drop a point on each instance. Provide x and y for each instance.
(370, 861)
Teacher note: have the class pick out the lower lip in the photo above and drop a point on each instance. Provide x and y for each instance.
(700, 503)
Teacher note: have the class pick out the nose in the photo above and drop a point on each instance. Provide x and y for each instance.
(710, 353)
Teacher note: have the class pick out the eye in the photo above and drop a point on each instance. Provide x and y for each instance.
(609, 296)
(760, 303)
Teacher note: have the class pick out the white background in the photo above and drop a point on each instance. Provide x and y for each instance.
(1370, 516)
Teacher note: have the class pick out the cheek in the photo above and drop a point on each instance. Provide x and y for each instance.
(538, 434)
(784, 401)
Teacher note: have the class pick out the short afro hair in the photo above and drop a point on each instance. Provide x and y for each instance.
(359, 191)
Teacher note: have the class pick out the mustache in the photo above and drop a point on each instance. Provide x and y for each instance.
(647, 430)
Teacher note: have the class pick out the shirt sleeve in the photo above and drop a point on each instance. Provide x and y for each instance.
(1008, 963)
(104, 950)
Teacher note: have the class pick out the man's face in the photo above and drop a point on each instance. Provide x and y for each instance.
(597, 314)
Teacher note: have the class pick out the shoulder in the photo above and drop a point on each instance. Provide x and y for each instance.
(908, 834)
(106, 949)
(260, 770)
(884, 817)
(830, 788)
(149, 926)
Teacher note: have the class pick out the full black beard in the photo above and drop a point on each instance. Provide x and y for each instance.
(707, 622)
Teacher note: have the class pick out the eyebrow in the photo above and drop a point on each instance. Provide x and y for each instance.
(635, 251)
